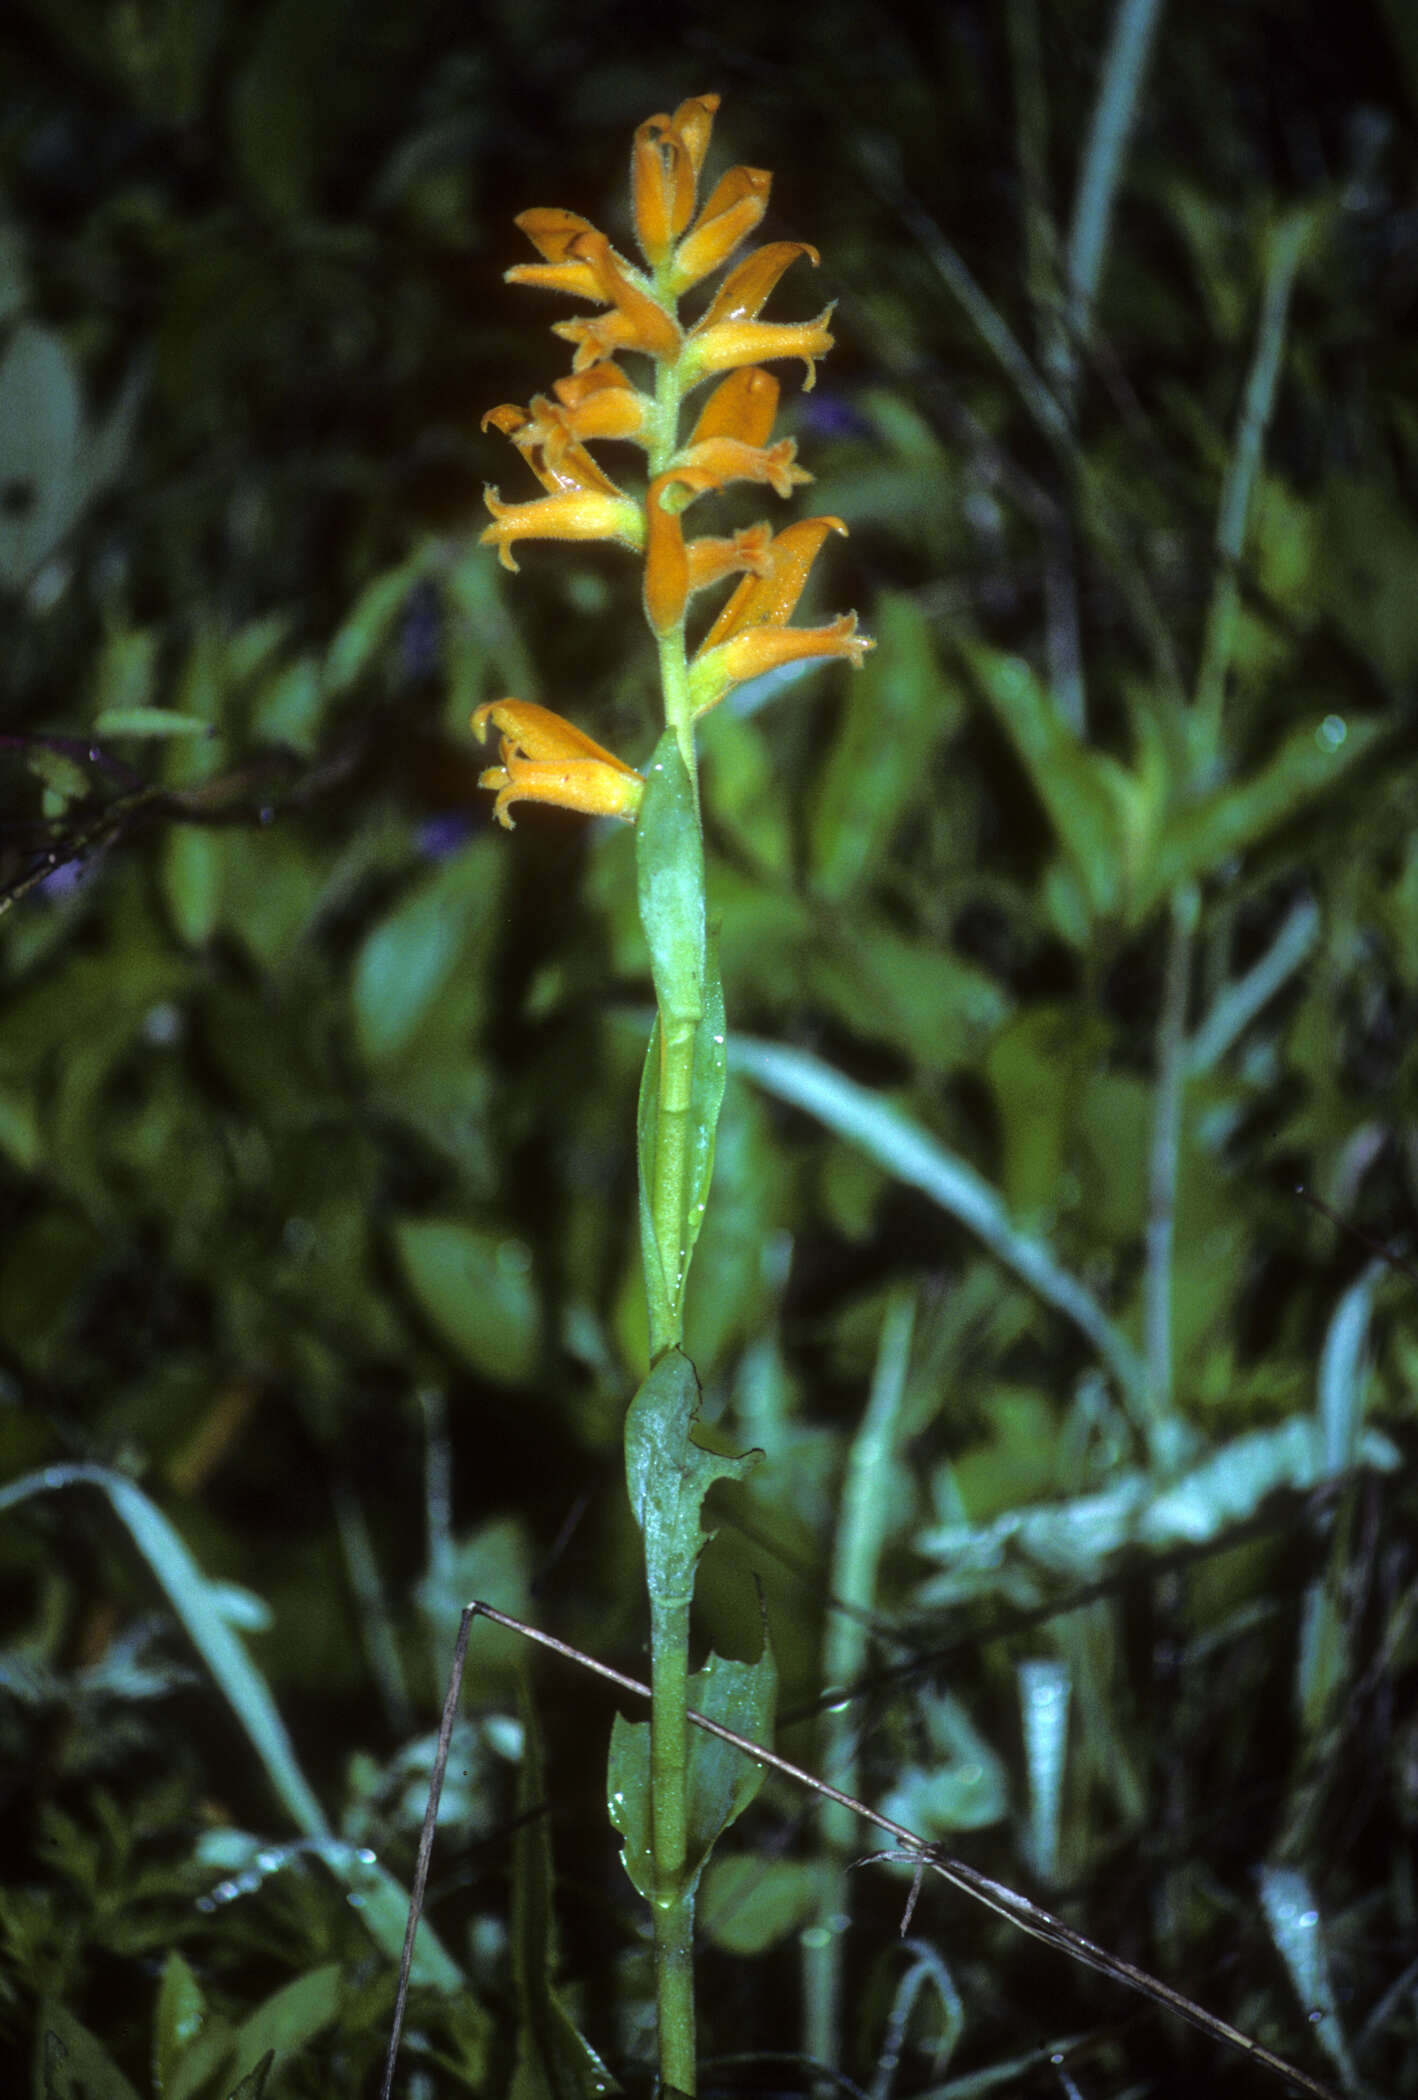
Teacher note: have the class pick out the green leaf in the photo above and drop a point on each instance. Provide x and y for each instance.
(897, 713)
(72, 2064)
(290, 2018)
(178, 2021)
(147, 721)
(899, 1144)
(708, 1075)
(1296, 1920)
(409, 958)
(662, 1296)
(124, 678)
(281, 102)
(749, 1903)
(721, 1781)
(41, 436)
(191, 864)
(476, 1288)
(746, 791)
(554, 2059)
(64, 778)
(253, 2085)
(1200, 839)
(370, 622)
(288, 706)
(669, 1474)
(669, 875)
(1084, 792)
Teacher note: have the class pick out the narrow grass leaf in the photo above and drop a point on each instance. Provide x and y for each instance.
(1293, 1916)
(898, 1144)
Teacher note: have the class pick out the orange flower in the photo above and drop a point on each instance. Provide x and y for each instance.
(664, 172)
(571, 514)
(545, 758)
(751, 634)
(734, 208)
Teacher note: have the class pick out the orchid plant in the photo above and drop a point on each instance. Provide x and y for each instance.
(670, 1796)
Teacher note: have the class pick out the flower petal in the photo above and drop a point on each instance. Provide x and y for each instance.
(742, 406)
(769, 597)
(734, 207)
(661, 187)
(742, 294)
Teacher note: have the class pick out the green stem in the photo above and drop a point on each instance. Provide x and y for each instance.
(1166, 1152)
(668, 1197)
(673, 1907)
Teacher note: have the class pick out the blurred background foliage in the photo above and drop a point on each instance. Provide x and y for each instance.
(1065, 944)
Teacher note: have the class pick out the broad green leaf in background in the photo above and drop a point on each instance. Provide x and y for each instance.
(51, 467)
(899, 713)
(1292, 1911)
(959, 1784)
(408, 957)
(177, 2024)
(253, 2085)
(1197, 840)
(290, 2018)
(749, 1902)
(371, 621)
(475, 1286)
(279, 115)
(125, 676)
(1076, 1540)
(1100, 813)
(899, 1144)
(72, 2064)
(745, 790)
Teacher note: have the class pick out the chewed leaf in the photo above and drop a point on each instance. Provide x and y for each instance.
(669, 1474)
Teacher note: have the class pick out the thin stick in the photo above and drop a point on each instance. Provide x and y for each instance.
(425, 1852)
(1005, 1902)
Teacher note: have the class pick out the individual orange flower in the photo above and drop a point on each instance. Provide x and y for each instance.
(664, 173)
(573, 514)
(751, 634)
(545, 758)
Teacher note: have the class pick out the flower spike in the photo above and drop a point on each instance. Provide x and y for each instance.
(683, 238)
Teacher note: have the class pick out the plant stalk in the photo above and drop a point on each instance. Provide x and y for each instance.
(673, 1905)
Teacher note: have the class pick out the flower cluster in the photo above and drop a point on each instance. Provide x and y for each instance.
(543, 758)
